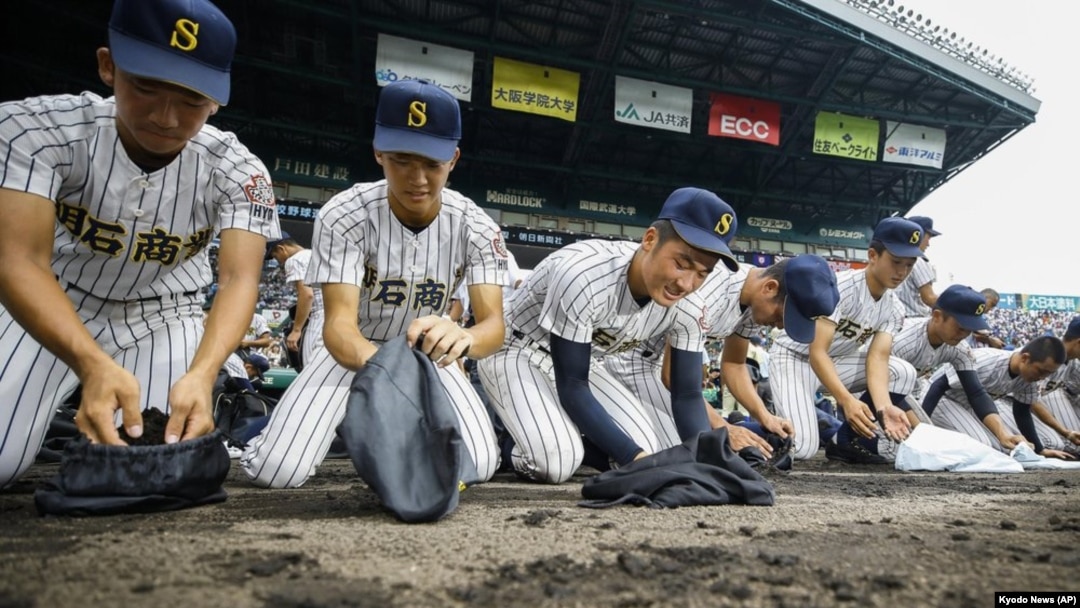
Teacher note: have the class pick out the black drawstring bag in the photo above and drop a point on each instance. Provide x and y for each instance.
(96, 479)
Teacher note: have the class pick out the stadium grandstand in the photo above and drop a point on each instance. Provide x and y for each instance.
(813, 118)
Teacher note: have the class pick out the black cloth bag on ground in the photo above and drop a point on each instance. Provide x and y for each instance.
(402, 435)
(701, 471)
(97, 479)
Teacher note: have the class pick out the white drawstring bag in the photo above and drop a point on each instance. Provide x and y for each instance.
(932, 448)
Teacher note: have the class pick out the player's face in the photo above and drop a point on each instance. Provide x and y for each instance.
(890, 270)
(155, 119)
(278, 253)
(949, 330)
(766, 308)
(1034, 371)
(415, 184)
(674, 269)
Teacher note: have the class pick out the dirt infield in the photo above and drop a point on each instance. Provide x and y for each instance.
(838, 535)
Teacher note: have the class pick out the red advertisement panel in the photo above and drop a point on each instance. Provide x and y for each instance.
(744, 118)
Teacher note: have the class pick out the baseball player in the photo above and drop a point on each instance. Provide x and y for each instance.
(247, 371)
(867, 315)
(1010, 376)
(986, 339)
(790, 293)
(308, 323)
(1061, 390)
(257, 336)
(109, 207)
(938, 340)
(394, 251)
(1056, 413)
(916, 293)
(596, 298)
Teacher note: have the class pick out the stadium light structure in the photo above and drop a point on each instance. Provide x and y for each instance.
(905, 20)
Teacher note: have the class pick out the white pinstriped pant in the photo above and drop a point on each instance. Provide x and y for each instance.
(795, 384)
(642, 377)
(1064, 407)
(520, 382)
(313, 338)
(154, 339)
(1048, 436)
(957, 415)
(304, 423)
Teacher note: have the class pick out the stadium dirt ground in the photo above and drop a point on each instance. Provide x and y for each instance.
(838, 535)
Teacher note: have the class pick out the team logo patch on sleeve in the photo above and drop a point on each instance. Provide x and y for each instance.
(499, 246)
(703, 320)
(259, 191)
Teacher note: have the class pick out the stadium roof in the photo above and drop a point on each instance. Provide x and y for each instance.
(304, 81)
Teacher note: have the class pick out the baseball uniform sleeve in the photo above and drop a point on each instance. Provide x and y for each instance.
(962, 359)
(922, 273)
(487, 254)
(38, 139)
(894, 320)
(1027, 393)
(296, 267)
(688, 325)
(244, 191)
(745, 328)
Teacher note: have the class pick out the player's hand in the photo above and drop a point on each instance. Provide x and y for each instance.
(292, 341)
(1060, 455)
(860, 417)
(1072, 437)
(741, 437)
(777, 425)
(192, 414)
(1011, 441)
(439, 338)
(896, 425)
(107, 387)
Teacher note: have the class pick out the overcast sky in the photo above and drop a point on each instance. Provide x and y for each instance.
(1010, 220)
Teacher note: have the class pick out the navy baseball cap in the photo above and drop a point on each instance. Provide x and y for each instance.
(271, 244)
(260, 363)
(966, 305)
(811, 293)
(703, 220)
(900, 236)
(926, 223)
(1073, 330)
(417, 117)
(184, 42)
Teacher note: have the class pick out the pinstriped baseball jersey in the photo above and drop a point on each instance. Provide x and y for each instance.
(992, 367)
(580, 293)
(908, 291)
(258, 327)
(723, 314)
(858, 317)
(639, 369)
(123, 233)
(296, 270)
(403, 274)
(912, 344)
